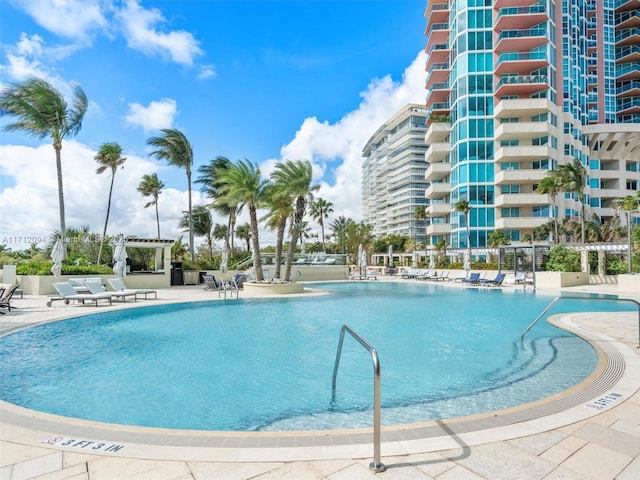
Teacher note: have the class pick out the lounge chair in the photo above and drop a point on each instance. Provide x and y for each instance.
(239, 279)
(442, 277)
(372, 275)
(474, 279)
(519, 277)
(6, 292)
(496, 282)
(428, 275)
(211, 283)
(119, 286)
(67, 293)
(96, 288)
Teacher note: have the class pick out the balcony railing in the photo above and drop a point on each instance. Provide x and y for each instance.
(626, 33)
(522, 10)
(531, 32)
(522, 80)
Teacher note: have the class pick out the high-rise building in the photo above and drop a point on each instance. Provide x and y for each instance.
(393, 175)
(517, 87)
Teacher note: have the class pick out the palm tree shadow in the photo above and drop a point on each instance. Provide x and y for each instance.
(465, 452)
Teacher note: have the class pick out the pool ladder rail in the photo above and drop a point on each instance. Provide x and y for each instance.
(377, 466)
(557, 299)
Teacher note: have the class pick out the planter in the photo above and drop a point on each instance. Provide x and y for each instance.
(43, 284)
(561, 279)
(267, 289)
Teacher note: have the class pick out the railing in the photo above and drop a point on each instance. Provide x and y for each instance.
(376, 465)
(557, 299)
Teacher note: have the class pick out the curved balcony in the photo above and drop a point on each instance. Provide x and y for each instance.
(522, 199)
(438, 210)
(520, 62)
(437, 190)
(522, 85)
(521, 177)
(437, 132)
(520, 18)
(521, 40)
(437, 171)
(523, 153)
(437, 152)
(439, 229)
(520, 223)
(522, 130)
(523, 107)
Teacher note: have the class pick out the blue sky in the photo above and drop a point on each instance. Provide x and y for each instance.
(263, 80)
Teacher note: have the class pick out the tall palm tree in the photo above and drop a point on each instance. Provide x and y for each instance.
(572, 178)
(339, 228)
(151, 186)
(421, 214)
(280, 208)
(220, 232)
(41, 111)
(549, 185)
(243, 183)
(243, 232)
(294, 177)
(209, 180)
(202, 225)
(320, 210)
(110, 157)
(174, 147)
(464, 207)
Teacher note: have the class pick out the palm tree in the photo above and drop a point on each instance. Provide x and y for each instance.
(41, 111)
(221, 232)
(549, 185)
(320, 209)
(202, 225)
(175, 148)
(108, 157)
(463, 206)
(421, 214)
(243, 183)
(209, 179)
(280, 205)
(628, 203)
(243, 232)
(294, 178)
(339, 227)
(151, 186)
(572, 178)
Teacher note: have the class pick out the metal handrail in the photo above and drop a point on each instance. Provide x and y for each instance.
(557, 299)
(377, 466)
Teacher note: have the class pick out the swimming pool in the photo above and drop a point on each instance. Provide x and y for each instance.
(267, 364)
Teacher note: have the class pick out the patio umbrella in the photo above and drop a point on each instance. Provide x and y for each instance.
(467, 263)
(414, 260)
(224, 262)
(57, 254)
(120, 259)
(390, 255)
(302, 246)
(432, 263)
(362, 258)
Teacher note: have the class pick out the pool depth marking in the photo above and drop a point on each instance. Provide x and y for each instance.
(604, 401)
(90, 445)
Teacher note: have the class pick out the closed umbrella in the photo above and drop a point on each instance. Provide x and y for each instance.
(57, 255)
(224, 262)
(467, 263)
(432, 263)
(414, 260)
(391, 255)
(362, 259)
(120, 259)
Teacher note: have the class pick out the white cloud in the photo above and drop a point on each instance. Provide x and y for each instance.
(30, 194)
(336, 149)
(206, 72)
(76, 19)
(159, 114)
(139, 26)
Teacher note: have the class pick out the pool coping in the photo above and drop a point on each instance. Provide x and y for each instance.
(616, 379)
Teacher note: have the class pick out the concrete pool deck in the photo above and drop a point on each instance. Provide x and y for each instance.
(591, 437)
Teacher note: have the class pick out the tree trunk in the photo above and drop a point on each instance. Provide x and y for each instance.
(282, 225)
(295, 234)
(324, 246)
(106, 220)
(257, 261)
(157, 217)
(191, 246)
(63, 227)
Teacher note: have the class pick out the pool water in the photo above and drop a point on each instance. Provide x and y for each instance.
(267, 364)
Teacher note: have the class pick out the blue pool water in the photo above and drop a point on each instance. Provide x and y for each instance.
(267, 364)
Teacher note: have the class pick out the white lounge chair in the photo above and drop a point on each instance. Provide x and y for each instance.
(67, 293)
(97, 288)
(519, 277)
(372, 275)
(119, 286)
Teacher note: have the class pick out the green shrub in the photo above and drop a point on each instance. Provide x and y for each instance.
(44, 268)
(563, 259)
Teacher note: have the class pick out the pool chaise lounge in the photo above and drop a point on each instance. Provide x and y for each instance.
(496, 282)
(97, 288)
(119, 287)
(67, 293)
(474, 279)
